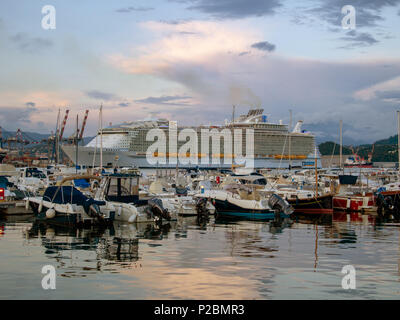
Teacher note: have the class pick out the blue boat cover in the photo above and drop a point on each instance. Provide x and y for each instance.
(4, 182)
(81, 183)
(68, 194)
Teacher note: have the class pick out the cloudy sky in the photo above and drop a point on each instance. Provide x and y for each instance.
(190, 60)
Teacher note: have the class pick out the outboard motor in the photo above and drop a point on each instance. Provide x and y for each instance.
(388, 205)
(280, 205)
(156, 207)
(92, 208)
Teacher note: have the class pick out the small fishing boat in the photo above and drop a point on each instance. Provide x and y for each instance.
(307, 202)
(351, 198)
(354, 202)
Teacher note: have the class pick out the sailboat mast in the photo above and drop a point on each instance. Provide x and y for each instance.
(316, 173)
(76, 146)
(290, 141)
(398, 139)
(95, 147)
(57, 137)
(101, 138)
(341, 144)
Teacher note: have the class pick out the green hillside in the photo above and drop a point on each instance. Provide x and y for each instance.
(384, 150)
(389, 141)
(329, 147)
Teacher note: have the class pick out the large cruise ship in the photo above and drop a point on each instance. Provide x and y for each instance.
(271, 145)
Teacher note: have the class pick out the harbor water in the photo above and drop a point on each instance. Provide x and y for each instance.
(298, 259)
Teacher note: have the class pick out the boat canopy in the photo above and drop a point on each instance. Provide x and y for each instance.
(69, 194)
(122, 187)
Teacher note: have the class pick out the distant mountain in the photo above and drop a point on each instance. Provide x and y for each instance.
(29, 136)
(329, 147)
(38, 141)
(389, 141)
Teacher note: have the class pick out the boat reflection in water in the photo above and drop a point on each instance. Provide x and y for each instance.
(217, 260)
(94, 249)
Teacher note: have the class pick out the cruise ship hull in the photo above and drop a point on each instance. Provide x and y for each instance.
(117, 158)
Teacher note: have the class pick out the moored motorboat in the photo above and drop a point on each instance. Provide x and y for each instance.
(244, 202)
(12, 199)
(121, 190)
(66, 205)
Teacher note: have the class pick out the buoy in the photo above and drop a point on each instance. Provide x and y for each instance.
(50, 213)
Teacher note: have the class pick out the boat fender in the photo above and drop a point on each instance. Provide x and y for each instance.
(40, 206)
(119, 211)
(132, 218)
(50, 213)
(70, 209)
(26, 204)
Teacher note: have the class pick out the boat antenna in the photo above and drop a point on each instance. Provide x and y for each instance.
(233, 114)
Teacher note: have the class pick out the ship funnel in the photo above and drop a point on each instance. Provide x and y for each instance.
(297, 128)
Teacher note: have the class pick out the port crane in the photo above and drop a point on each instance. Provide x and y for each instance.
(16, 146)
(78, 135)
(56, 137)
(15, 141)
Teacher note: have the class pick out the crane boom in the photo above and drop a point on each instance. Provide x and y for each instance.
(63, 124)
(83, 124)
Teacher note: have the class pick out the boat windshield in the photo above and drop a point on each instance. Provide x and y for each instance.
(123, 189)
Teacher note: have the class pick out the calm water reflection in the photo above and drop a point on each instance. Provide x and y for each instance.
(299, 259)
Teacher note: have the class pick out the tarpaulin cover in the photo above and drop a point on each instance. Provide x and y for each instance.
(3, 182)
(68, 194)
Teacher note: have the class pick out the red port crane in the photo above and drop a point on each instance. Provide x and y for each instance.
(63, 125)
(83, 125)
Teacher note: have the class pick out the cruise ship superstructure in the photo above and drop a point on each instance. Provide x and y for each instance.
(273, 147)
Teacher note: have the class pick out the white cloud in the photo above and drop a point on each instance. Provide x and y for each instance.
(204, 58)
(371, 92)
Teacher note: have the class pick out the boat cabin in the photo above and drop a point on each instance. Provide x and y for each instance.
(33, 173)
(121, 187)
